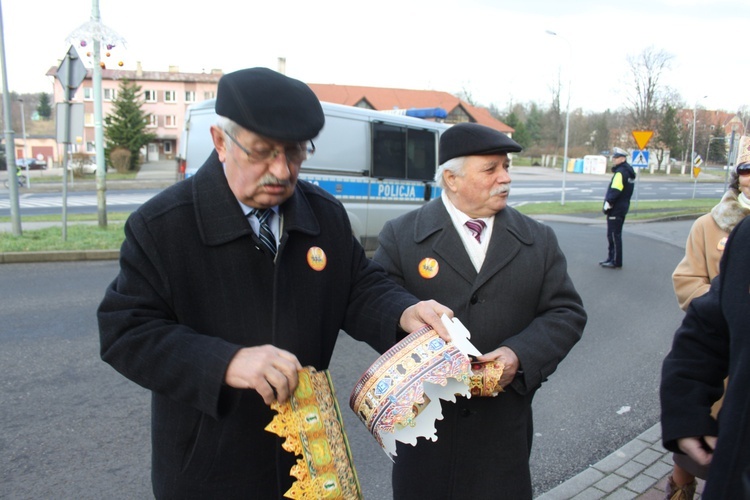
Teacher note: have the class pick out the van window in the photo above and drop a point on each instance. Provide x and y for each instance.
(388, 151)
(420, 159)
(402, 152)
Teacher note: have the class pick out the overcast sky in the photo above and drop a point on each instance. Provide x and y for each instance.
(496, 50)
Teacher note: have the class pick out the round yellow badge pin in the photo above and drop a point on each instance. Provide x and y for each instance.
(428, 268)
(316, 259)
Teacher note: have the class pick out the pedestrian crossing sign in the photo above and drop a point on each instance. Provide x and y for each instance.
(639, 158)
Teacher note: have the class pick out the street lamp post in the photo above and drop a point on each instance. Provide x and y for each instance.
(25, 151)
(96, 32)
(567, 115)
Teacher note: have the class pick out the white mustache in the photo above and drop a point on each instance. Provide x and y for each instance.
(505, 188)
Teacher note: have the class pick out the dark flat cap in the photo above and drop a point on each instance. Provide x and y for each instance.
(469, 139)
(270, 104)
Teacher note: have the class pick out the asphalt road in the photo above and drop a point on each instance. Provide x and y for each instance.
(74, 428)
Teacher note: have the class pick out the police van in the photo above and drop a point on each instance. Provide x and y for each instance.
(379, 165)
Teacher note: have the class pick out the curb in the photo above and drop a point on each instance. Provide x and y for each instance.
(58, 256)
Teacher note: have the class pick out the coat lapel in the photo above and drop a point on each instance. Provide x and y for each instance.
(507, 239)
(220, 218)
(434, 218)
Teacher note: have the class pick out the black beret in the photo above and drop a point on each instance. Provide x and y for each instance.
(468, 139)
(270, 104)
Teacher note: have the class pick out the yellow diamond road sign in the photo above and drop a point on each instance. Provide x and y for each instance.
(642, 137)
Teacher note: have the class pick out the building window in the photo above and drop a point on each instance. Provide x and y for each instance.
(149, 95)
(170, 121)
(88, 94)
(169, 96)
(152, 121)
(88, 119)
(90, 147)
(110, 94)
(189, 96)
(209, 95)
(167, 147)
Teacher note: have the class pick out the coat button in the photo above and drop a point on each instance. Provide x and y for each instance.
(465, 412)
(474, 299)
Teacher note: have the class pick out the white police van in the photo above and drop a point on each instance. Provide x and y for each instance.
(379, 165)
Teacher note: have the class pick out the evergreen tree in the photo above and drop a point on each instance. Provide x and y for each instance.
(534, 125)
(126, 125)
(668, 132)
(44, 109)
(520, 135)
(600, 140)
(717, 148)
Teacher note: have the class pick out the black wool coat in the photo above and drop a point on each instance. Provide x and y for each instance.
(195, 287)
(522, 298)
(713, 342)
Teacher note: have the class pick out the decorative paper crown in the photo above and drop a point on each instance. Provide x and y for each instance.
(392, 398)
(743, 153)
(313, 427)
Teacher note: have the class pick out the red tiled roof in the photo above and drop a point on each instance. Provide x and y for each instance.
(384, 99)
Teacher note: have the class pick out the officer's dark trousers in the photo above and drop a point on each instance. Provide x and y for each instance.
(614, 237)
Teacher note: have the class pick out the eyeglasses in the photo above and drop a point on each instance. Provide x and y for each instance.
(294, 155)
(743, 169)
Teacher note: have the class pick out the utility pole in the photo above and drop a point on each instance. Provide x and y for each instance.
(10, 140)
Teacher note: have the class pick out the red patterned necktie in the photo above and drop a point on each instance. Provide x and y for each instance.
(476, 226)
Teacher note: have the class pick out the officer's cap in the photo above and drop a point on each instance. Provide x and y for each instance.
(270, 104)
(469, 139)
(618, 152)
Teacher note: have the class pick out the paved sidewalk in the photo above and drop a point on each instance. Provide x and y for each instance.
(637, 470)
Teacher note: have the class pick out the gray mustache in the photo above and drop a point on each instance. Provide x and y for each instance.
(505, 188)
(272, 180)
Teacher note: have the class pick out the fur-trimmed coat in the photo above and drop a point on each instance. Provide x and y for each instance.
(704, 248)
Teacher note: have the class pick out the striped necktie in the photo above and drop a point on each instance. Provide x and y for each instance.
(264, 233)
(476, 226)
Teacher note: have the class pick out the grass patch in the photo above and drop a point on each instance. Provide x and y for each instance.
(111, 176)
(79, 237)
(111, 217)
(642, 210)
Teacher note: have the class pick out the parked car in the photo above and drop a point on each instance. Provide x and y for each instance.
(33, 163)
(83, 164)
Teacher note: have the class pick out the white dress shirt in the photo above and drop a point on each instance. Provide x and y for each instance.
(477, 250)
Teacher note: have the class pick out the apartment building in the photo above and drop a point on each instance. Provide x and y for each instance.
(166, 95)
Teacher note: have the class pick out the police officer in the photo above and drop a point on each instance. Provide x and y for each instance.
(616, 205)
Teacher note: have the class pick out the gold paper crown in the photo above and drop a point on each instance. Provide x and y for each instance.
(743, 153)
(313, 427)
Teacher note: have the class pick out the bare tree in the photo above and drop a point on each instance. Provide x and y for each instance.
(647, 94)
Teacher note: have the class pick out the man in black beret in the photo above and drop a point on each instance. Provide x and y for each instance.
(233, 280)
(505, 277)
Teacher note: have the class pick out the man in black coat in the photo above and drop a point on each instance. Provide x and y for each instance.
(233, 280)
(505, 277)
(711, 343)
(616, 206)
